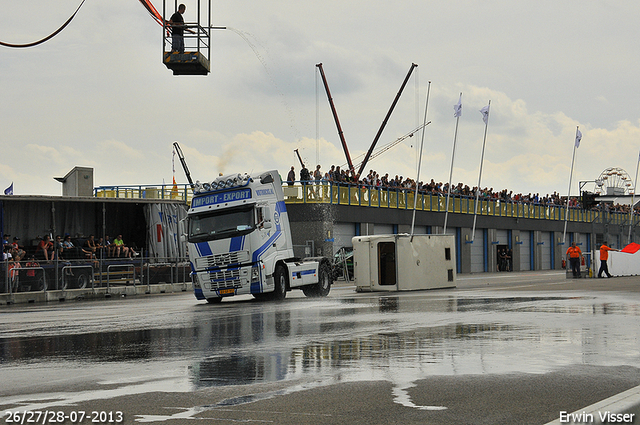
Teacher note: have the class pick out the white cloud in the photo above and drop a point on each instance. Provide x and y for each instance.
(98, 94)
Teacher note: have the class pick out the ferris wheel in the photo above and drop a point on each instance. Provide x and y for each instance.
(614, 181)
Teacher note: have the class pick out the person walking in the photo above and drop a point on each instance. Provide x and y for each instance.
(574, 254)
(604, 256)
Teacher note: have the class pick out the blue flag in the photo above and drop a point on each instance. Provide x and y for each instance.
(578, 138)
(9, 190)
(457, 108)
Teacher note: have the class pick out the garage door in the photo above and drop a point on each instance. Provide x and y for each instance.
(525, 251)
(419, 230)
(477, 252)
(383, 229)
(547, 240)
(342, 234)
(502, 237)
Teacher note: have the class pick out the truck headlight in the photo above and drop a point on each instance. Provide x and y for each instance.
(255, 274)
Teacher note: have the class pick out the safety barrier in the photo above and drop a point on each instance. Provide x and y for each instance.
(19, 278)
(79, 279)
(126, 276)
(93, 274)
(168, 270)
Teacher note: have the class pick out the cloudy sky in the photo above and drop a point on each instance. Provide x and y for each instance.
(98, 95)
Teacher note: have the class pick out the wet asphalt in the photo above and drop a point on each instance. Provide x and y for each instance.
(503, 348)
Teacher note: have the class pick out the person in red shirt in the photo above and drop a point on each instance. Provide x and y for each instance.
(31, 262)
(44, 251)
(574, 254)
(604, 256)
(17, 252)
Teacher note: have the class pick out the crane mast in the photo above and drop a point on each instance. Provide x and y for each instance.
(184, 163)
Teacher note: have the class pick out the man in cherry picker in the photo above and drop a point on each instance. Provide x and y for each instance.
(177, 29)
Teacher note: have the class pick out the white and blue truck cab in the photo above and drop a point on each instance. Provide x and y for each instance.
(239, 242)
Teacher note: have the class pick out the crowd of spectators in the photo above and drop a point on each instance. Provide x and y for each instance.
(63, 248)
(374, 179)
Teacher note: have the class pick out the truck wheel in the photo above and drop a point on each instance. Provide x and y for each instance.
(322, 288)
(214, 300)
(280, 283)
(310, 291)
(324, 280)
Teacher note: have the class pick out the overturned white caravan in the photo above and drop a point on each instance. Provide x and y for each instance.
(402, 263)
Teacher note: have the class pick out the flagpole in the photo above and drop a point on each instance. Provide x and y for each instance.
(566, 215)
(484, 142)
(415, 197)
(458, 109)
(633, 199)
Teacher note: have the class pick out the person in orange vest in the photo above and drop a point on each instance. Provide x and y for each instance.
(574, 254)
(604, 256)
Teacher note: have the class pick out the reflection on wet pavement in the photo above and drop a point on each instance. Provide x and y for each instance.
(399, 339)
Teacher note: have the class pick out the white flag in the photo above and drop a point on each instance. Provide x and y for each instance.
(578, 138)
(485, 114)
(457, 108)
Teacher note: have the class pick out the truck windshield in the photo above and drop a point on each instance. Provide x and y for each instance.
(221, 224)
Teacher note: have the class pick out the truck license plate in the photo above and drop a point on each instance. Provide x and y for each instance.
(228, 291)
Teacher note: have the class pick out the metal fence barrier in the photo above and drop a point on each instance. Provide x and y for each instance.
(22, 282)
(126, 275)
(89, 274)
(76, 277)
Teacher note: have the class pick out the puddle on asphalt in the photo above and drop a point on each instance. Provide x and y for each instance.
(399, 339)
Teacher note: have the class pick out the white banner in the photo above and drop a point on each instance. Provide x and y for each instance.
(164, 223)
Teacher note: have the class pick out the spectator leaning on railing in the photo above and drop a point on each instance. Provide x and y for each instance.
(398, 183)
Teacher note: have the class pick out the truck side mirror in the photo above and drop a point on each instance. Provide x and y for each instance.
(267, 217)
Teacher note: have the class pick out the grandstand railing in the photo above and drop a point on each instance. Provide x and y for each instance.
(378, 197)
(181, 192)
(393, 198)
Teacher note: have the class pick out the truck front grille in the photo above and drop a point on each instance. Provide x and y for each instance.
(225, 279)
(222, 260)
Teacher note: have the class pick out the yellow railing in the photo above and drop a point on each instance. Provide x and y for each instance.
(401, 199)
(376, 197)
(167, 191)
